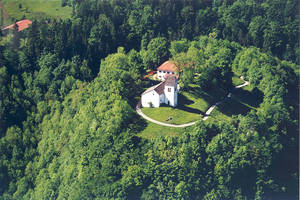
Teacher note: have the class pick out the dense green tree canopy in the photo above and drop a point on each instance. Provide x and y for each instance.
(68, 91)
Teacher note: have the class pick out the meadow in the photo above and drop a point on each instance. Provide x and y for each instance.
(34, 9)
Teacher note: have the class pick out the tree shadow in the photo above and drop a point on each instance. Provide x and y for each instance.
(239, 101)
(138, 124)
(232, 107)
(210, 95)
(183, 101)
(253, 98)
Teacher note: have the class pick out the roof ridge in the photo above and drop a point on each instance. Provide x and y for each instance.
(153, 87)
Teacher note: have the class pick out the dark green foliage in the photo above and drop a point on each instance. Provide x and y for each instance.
(156, 53)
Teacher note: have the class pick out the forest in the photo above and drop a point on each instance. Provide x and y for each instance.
(69, 87)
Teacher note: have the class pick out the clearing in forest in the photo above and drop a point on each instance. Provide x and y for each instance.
(34, 9)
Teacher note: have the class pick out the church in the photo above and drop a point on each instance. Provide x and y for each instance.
(165, 92)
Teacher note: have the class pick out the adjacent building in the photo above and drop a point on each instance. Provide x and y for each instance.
(21, 25)
(165, 69)
(165, 92)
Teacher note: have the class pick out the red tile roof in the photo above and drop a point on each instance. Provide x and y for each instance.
(167, 66)
(23, 24)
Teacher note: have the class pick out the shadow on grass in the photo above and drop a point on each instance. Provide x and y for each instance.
(241, 102)
(232, 107)
(191, 110)
(182, 102)
(210, 95)
(253, 98)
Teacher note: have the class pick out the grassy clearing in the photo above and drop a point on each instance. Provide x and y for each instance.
(237, 81)
(241, 102)
(178, 116)
(202, 99)
(153, 130)
(192, 105)
(35, 9)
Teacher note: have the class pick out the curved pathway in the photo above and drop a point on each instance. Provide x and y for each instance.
(139, 111)
(207, 113)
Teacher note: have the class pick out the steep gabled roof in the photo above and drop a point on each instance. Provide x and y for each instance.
(159, 88)
(167, 66)
(156, 88)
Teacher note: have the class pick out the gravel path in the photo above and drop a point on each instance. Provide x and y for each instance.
(207, 113)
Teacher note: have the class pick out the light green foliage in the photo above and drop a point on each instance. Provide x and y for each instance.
(187, 78)
(237, 81)
(207, 63)
(79, 134)
(179, 46)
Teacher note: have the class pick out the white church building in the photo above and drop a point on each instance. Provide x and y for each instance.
(165, 92)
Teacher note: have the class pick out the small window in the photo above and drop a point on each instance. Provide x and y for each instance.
(172, 72)
(168, 72)
(169, 89)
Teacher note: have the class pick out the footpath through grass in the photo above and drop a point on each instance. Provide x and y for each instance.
(178, 116)
(35, 9)
(192, 105)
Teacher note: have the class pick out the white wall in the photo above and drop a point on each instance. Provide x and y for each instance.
(171, 96)
(162, 98)
(161, 74)
(151, 96)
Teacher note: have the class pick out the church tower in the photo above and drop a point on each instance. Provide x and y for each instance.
(170, 91)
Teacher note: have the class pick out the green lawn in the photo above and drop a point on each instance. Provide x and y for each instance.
(178, 116)
(202, 99)
(153, 130)
(34, 9)
(237, 81)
